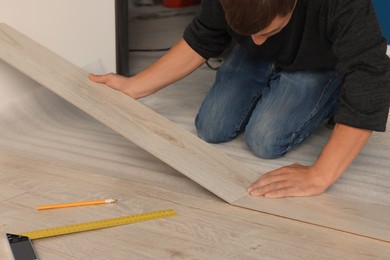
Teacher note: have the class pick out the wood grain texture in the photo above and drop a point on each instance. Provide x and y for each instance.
(203, 228)
(180, 149)
(365, 219)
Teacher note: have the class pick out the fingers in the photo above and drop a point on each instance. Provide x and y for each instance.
(117, 82)
(290, 181)
(267, 179)
(103, 79)
(279, 193)
(265, 190)
(283, 182)
(278, 189)
(265, 182)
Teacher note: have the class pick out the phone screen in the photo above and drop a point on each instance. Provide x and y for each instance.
(21, 247)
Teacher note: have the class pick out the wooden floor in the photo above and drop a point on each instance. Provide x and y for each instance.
(52, 152)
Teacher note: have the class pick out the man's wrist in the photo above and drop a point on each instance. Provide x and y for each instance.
(324, 175)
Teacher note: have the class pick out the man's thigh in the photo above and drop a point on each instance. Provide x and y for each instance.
(233, 96)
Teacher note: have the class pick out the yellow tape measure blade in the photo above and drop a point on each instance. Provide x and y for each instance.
(99, 224)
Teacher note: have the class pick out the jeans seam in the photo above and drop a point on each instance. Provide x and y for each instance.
(237, 128)
(292, 144)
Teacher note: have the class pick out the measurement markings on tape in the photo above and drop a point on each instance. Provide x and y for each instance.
(87, 226)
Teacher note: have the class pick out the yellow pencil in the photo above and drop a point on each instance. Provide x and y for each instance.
(75, 204)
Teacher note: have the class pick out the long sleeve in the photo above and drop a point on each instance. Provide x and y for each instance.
(207, 33)
(360, 48)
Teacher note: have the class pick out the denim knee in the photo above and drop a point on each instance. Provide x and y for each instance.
(205, 135)
(266, 144)
(210, 132)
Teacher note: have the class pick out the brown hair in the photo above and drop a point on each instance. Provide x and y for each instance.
(251, 16)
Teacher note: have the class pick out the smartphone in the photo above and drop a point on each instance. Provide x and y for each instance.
(21, 247)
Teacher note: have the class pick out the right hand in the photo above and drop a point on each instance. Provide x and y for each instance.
(114, 81)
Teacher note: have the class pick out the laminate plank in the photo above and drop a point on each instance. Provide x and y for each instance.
(180, 149)
(362, 219)
(203, 228)
(43, 125)
(183, 151)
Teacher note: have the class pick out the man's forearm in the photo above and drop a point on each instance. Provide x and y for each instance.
(180, 61)
(343, 146)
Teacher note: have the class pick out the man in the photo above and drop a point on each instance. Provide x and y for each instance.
(297, 63)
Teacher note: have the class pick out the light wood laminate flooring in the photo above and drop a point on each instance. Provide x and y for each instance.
(52, 152)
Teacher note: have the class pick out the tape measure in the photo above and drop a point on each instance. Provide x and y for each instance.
(87, 226)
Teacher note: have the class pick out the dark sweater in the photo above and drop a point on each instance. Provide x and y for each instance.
(322, 34)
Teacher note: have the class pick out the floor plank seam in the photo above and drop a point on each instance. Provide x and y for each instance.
(316, 225)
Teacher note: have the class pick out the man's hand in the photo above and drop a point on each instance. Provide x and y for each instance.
(343, 146)
(293, 180)
(114, 81)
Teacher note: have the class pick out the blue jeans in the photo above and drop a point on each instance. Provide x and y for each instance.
(277, 109)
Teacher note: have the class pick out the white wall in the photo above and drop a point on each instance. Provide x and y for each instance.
(82, 31)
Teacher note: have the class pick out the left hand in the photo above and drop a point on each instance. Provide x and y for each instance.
(290, 181)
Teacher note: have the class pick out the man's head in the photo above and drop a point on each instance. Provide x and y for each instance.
(259, 18)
